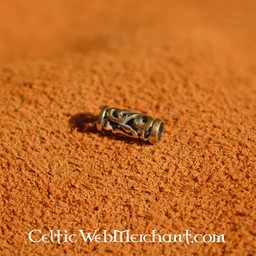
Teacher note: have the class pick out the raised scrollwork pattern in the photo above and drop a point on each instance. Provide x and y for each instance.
(130, 124)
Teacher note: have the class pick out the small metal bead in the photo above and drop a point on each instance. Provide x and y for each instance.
(130, 124)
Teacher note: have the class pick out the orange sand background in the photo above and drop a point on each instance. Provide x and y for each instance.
(191, 63)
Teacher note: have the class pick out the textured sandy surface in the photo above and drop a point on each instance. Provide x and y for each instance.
(191, 63)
